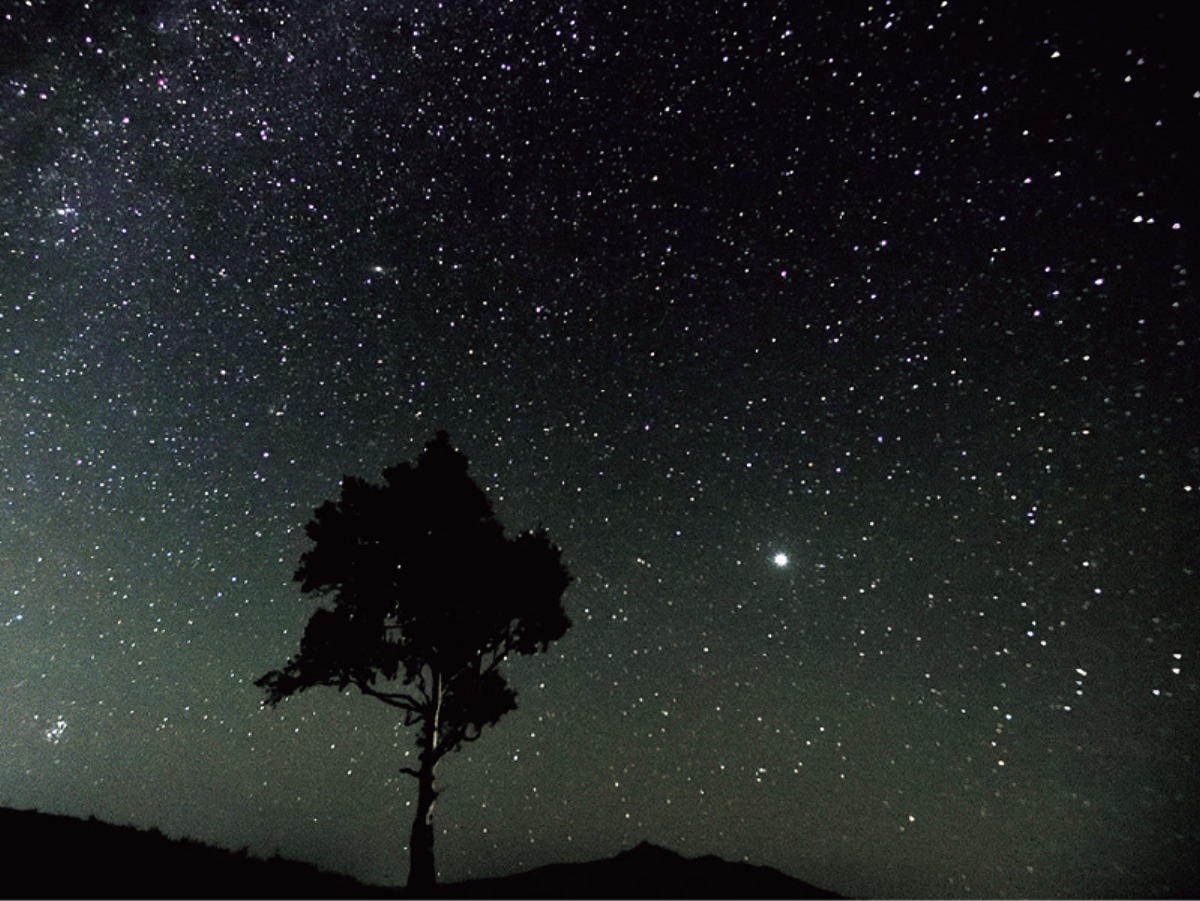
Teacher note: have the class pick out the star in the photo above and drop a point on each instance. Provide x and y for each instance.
(689, 294)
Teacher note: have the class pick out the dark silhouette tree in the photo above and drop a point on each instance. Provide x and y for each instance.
(428, 598)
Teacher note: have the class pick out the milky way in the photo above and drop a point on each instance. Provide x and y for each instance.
(848, 351)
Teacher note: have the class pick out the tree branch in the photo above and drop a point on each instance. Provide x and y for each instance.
(459, 735)
(395, 699)
(499, 651)
(423, 686)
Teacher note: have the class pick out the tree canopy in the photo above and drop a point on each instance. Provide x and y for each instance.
(425, 598)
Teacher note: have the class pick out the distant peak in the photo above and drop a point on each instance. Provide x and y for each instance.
(647, 850)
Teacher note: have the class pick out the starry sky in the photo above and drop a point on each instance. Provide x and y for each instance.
(847, 349)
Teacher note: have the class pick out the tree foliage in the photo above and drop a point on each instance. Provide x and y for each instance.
(425, 596)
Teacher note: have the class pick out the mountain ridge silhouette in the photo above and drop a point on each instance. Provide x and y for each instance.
(58, 856)
(110, 861)
(644, 871)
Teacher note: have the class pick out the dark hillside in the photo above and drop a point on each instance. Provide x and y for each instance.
(52, 856)
(646, 871)
(49, 856)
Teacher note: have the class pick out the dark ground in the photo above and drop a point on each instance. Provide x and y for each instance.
(646, 871)
(50, 856)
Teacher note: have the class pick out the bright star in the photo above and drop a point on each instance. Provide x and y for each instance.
(781, 559)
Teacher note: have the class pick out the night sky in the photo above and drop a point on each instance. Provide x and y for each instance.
(847, 349)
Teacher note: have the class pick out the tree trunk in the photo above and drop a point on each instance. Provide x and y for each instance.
(422, 873)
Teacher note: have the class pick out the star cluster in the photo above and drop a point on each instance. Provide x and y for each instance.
(847, 350)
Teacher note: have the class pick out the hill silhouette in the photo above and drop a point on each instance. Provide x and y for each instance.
(646, 871)
(53, 856)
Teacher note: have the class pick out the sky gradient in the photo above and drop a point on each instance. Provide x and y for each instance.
(902, 292)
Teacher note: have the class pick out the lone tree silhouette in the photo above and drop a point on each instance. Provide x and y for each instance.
(428, 598)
